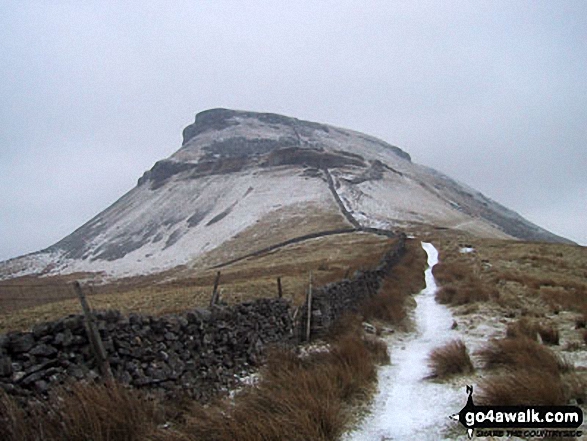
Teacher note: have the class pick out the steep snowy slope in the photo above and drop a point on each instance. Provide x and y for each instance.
(243, 181)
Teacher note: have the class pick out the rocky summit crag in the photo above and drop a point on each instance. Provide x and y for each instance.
(244, 181)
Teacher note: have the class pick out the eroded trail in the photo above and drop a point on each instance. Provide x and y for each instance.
(407, 405)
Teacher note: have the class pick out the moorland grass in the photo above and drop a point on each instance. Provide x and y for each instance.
(297, 398)
(521, 353)
(449, 360)
(390, 303)
(521, 387)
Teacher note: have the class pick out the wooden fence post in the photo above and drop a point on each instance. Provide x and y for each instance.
(214, 298)
(309, 312)
(96, 344)
(279, 290)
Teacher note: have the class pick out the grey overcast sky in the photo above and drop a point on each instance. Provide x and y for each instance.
(93, 93)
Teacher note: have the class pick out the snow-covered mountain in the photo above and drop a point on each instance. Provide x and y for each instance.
(243, 181)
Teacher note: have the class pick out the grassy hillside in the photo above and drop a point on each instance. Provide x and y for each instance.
(524, 308)
(26, 302)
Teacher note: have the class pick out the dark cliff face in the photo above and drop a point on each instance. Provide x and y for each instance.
(215, 119)
(296, 132)
(293, 142)
(218, 119)
(162, 171)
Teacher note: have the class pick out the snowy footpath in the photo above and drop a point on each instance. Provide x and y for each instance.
(408, 406)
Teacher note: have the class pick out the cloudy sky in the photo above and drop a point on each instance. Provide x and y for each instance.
(92, 94)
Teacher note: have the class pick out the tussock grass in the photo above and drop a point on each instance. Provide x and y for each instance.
(305, 407)
(549, 334)
(297, 399)
(551, 273)
(522, 387)
(535, 278)
(451, 271)
(388, 305)
(532, 329)
(81, 412)
(531, 374)
(407, 277)
(108, 412)
(470, 291)
(575, 386)
(459, 282)
(15, 424)
(539, 283)
(524, 327)
(521, 353)
(378, 349)
(449, 360)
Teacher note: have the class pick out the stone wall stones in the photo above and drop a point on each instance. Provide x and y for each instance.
(333, 300)
(198, 352)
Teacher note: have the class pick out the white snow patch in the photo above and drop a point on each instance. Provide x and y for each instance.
(248, 197)
(29, 264)
(413, 196)
(466, 250)
(316, 348)
(244, 380)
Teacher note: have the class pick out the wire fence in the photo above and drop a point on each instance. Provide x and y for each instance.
(140, 298)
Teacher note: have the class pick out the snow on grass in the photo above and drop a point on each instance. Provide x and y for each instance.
(28, 264)
(245, 197)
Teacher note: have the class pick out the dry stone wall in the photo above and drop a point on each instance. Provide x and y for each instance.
(332, 301)
(199, 352)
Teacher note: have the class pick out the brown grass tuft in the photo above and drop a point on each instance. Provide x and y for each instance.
(387, 305)
(406, 278)
(459, 283)
(297, 399)
(300, 403)
(348, 324)
(14, 422)
(575, 387)
(378, 349)
(524, 327)
(462, 294)
(112, 411)
(450, 272)
(450, 359)
(529, 328)
(549, 334)
(521, 353)
(81, 412)
(522, 387)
